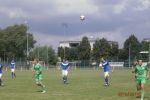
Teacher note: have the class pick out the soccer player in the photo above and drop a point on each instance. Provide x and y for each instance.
(141, 73)
(37, 67)
(106, 67)
(1, 73)
(12, 67)
(65, 67)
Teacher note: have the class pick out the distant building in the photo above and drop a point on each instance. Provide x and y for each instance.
(76, 43)
(146, 52)
(146, 39)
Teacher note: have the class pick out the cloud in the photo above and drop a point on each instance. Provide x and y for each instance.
(120, 7)
(49, 39)
(143, 5)
(75, 7)
(54, 40)
(13, 13)
(113, 19)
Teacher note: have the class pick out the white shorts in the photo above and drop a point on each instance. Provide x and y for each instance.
(12, 70)
(1, 75)
(106, 74)
(64, 72)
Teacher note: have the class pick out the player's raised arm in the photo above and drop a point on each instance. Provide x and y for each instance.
(111, 67)
(68, 66)
(147, 71)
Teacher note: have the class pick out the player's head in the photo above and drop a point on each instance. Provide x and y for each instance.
(65, 61)
(102, 59)
(35, 61)
(12, 61)
(140, 62)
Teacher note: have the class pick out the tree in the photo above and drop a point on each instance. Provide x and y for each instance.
(60, 52)
(133, 44)
(144, 46)
(122, 55)
(70, 53)
(84, 49)
(14, 41)
(73, 53)
(113, 51)
(101, 48)
(45, 53)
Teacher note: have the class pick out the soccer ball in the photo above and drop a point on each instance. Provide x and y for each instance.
(82, 17)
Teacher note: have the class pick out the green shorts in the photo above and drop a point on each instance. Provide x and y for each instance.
(38, 77)
(140, 80)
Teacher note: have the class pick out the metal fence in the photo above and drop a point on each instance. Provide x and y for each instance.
(23, 64)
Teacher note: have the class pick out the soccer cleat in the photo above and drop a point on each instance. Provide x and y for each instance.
(43, 91)
(106, 84)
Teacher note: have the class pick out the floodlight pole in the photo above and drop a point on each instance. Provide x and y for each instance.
(26, 23)
(38, 51)
(65, 25)
(149, 52)
(129, 55)
(47, 55)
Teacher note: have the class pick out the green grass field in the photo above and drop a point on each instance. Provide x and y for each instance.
(83, 84)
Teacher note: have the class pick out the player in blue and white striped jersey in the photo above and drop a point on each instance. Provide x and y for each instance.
(106, 67)
(13, 67)
(65, 67)
(1, 73)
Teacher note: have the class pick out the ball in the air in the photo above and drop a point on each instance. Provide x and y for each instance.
(82, 17)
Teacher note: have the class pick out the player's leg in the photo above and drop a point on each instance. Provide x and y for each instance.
(12, 76)
(143, 81)
(38, 79)
(64, 76)
(138, 87)
(12, 73)
(41, 83)
(106, 78)
(0, 79)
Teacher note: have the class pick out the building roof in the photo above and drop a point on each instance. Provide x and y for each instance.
(146, 39)
(78, 41)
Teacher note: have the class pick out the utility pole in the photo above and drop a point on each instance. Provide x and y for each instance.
(47, 55)
(149, 54)
(65, 25)
(26, 23)
(129, 55)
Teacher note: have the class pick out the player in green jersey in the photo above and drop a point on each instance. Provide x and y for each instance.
(37, 67)
(141, 74)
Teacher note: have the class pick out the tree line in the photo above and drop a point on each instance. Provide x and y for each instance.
(13, 44)
(102, 48)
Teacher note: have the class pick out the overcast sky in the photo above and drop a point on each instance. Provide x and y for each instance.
(52, 21)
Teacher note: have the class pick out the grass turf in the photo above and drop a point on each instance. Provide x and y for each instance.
(84, 84)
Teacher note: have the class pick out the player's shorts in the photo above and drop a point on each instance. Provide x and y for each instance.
(140, 80)
(38, 77)
(106, 74)
(1, 75)
(12, 70)
(64, 72)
